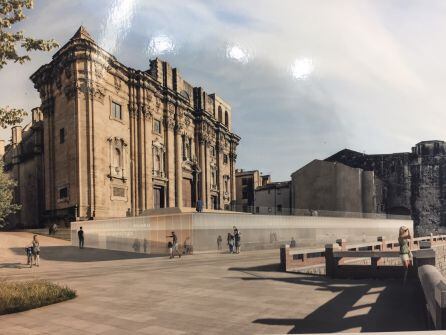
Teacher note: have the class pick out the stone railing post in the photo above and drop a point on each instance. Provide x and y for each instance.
(423, 257)
(284, 255)
(440, 298)
(382, 239)
(330, 262)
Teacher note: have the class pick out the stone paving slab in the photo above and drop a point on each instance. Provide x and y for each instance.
(199, 294)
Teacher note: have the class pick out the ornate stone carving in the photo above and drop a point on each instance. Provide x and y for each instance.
(146, 111)
(118, 84)
(169, 123)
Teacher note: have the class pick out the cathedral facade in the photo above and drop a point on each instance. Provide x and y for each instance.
(118, 141)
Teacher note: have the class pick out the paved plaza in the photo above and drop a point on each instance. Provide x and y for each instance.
(126, 293)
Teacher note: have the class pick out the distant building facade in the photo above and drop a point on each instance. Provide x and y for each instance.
(335, 187)
(23, 162)
(246, 184)
(273, 199)
(414, 182)
(113, 141)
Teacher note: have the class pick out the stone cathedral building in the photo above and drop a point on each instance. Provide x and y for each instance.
(111, 141)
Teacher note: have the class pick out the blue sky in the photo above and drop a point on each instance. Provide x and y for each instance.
(305, 78)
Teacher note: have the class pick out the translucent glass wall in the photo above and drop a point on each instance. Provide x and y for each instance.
(149, 234)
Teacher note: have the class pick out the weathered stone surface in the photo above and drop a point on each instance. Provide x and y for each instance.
(414, 182)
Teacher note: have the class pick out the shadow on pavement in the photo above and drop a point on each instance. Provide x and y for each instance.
(395, 308)
(74, 254)
(13, 266)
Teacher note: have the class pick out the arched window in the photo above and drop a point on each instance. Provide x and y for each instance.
(226, 119)
(157, 163)
(220, 114)
(117, 158)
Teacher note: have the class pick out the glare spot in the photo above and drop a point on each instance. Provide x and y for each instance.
(119, 21)
(161, 44)
(302, 68)
(237, 53)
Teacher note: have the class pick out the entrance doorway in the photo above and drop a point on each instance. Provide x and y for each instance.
(188, 195)
(158, 197)
(214, 202)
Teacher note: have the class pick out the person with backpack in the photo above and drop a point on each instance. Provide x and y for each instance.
(36, 250)
(237, 238)
(230, 240)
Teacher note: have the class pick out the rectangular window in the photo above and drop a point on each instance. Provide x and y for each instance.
(157, 126)
(62, 135)
(63, 193)
(245, 181)
(225, 159)
(244, 193)
(116, 111)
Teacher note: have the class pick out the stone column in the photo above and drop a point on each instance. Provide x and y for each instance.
(170, 148)
(178, 168)
(221, 201)
(202, 163)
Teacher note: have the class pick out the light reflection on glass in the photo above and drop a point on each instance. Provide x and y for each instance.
(302, 68)
(119, 21)
(160, 45)
(238, 54)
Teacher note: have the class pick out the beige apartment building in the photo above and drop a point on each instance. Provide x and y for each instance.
(115, 141)
(247, 181)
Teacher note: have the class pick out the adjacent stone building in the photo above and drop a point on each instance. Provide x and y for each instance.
(273, 199)
(324, 186)
(115, 141)
(23, 162)
(246, 184)
(414, 182)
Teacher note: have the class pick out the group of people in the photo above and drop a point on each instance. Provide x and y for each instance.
(234, 240)
(33, 252)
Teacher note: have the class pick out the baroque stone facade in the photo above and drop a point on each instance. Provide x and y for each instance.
(414, 182)
(118, 141)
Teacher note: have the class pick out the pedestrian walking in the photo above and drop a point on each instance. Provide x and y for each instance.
(174, 248)
(80, 235)
(405, 253)
(292, 243)
(36, 250)
(145, 245)
(219, 240)
(230, 240)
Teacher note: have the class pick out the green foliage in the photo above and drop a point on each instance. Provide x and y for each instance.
(6, 197)
(21, 296)
(12, 12)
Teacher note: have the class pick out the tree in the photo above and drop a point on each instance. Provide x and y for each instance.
(12, 12)
(6, 197)
(11, 43)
